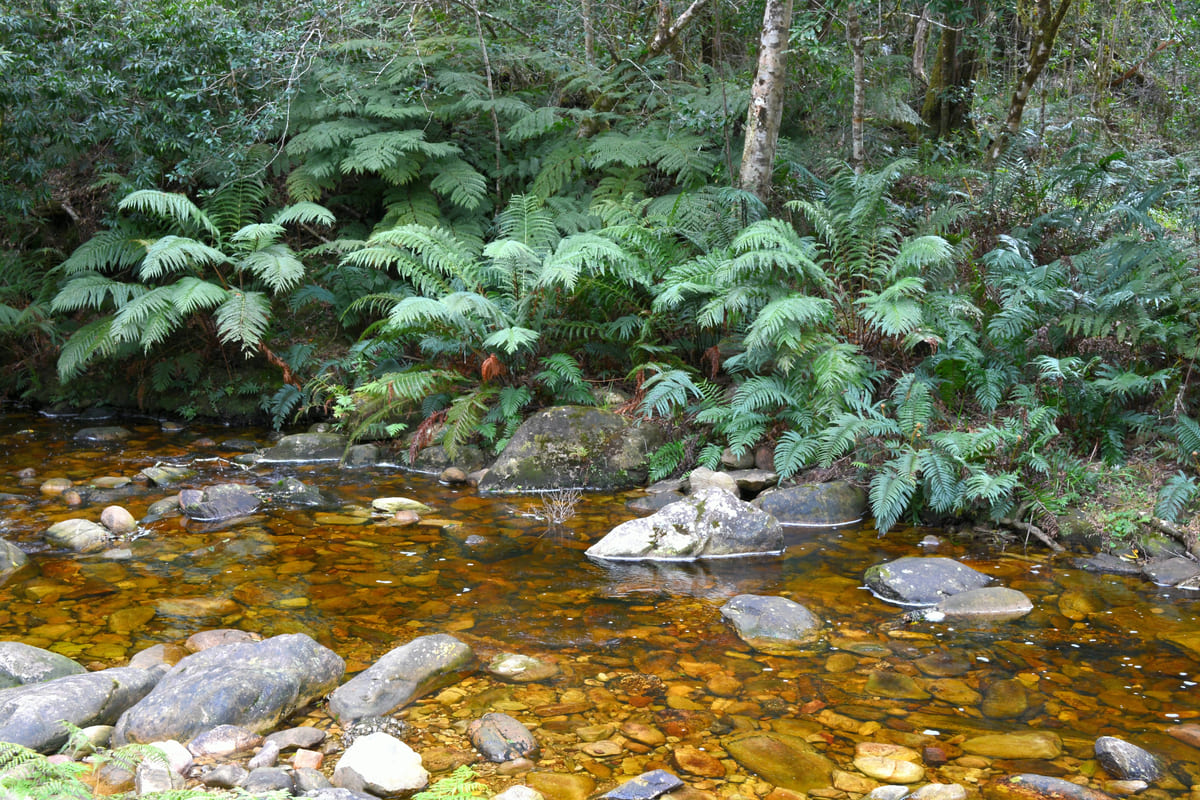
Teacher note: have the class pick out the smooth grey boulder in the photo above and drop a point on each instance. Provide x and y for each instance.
(31, 715)
(646, 786)
(219, 503)
(254, 685)
(401, 676)
(306, 448)
(710, 524)
(1171, 571)
(914, 581)
(80, 535)
(772, 623)
(991, 602)
(500, 738)
(1125, 761)
(21, 664)
(102, 433)
(815, 505)
(569, 447)
(12, 558)
(166, 474)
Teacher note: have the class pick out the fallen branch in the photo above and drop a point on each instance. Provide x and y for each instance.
(1032, 530)
(1181, 535)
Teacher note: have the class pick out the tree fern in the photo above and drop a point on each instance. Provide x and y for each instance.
(892, 489)
(176, 208)
(242, 319)
(1175, 496)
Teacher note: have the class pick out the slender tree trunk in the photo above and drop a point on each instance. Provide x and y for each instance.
(920, 47)
(951, 91)
(859, 111)
(1045, 30)
(766, 100)
(589, 33)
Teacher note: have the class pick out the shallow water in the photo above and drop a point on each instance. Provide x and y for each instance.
(1094, 657)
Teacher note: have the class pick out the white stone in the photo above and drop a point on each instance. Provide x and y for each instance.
(381, 765)
(179, 758)
(519, 792)
(118, 520)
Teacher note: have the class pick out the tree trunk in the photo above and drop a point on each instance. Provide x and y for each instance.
(951, 90)
(859, 111)
(589, 33)
(1045, 30)
(920, 44)
(766, 100)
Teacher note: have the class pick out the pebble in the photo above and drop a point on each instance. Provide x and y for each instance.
(695, 761)
(118, 520)
(940, 791)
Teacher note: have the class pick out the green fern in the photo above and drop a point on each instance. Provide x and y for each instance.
(1176, 495)
(458, 785)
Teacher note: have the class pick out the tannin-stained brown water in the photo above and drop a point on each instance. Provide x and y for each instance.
(1100, 655)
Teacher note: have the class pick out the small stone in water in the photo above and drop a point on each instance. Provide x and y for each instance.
(646, 786)
(118, 520)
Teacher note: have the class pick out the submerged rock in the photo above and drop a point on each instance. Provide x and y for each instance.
(772, 623)
(401, 676)
(80, 535)
(252, 685)
(1126, 761)
(12, 558)
(219, 503)
(786, 761)
(573, 447)
(922, 581)
(994, 603)
(646, 786)
(500, 738)
(815, 505)
(104, 433)
(1039, 787)
(712, 524)
(381, 765)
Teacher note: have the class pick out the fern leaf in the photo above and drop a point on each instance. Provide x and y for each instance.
(91, 291)
(892, 490)
(258, 235)
(459, 181)
(176, 207)
(785, 322)
(89, 342)
(463, 418)
(304, 213)
(172, 254)
(1175, 495)
(619, 148)
(668, 391)
(512, 339)
(534, 124)
(147, 318)
(106, 251)
(275, 265)
(242, 319)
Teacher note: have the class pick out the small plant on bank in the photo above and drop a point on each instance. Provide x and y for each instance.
(458, 785)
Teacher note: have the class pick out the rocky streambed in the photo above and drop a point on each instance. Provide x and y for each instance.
(570, 676)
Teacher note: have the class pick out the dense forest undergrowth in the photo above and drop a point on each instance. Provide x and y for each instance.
(968, 276)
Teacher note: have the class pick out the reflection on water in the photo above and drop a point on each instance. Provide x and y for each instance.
(1099, 655)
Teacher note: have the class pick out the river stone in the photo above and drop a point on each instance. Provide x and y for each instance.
(80, 535)
(519, 792)
(1170, 571)
(771, 623)
(12, 558)
(940, 791)
(646, 786)
(306, 448)
(711, 524)
(390, 505)
(993, 603)
(732, 460)
(1027, 786)
(304, 737)
(653, 502)
(56, 486)
(816, 505)
(1126, 761)
(268, 779)
(102, 433)
(362, 455)
(1005, 699)
(894, 685)
(500, 738)
(30, 715)
(218, 503)
(401, 676)
(22, 664)
(562, 786)
(891, 770)
(702, 479)
(786, 761)
(517, 668)
(224, 740)
(753, 481)
(922, 581)
(118, 520)
(381, 765)
(1038, 744)
(166, 474)
(253, 685)
(569, 447)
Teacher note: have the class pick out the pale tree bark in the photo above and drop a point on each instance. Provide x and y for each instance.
(589, 33)
(1046, 25)
(858, 114)
(669, 30)
(766, 100)
(920, 47)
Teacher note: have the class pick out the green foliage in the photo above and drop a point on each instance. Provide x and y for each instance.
(458, 785)
(152, 280)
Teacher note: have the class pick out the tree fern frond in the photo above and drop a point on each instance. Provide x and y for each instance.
(91, 291)
(668, 391)
(558, 168)
(535, 123)
(257, 235)
(619, 148)
(1175, 495)
(459, 181)
(463, 417)
(512, 339)
(172, 254)
(304, 213)
(242, 319)
(91, 341)
(175, 207)
(783, 321)
(190, 294)
(892, 489)
(329, 135)
(106, 251)
(275, 265)
(527, 220)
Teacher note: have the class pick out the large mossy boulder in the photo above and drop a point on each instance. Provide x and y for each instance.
(306, 448)
(815, 505)
(573, 447)
(709, 524)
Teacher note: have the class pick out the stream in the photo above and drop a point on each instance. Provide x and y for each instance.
(1101, 655)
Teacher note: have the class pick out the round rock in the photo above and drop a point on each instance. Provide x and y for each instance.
(922, 581)
(1126, 761)
(500, 738)
(772, 623)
